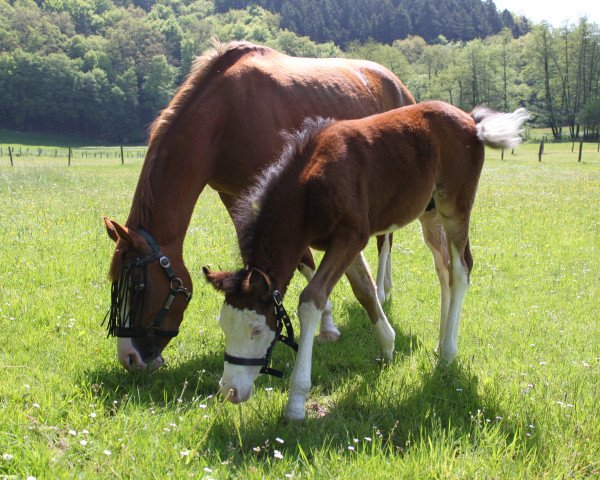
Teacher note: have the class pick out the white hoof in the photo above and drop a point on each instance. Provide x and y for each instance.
(329, 336)
(447, 353)
(294, 410)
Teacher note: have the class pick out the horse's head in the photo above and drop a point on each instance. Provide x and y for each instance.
(249, 324)
(150, 292)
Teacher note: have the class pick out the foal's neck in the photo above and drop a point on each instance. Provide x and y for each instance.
(277, 246)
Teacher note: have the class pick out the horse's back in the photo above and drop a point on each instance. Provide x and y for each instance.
(333, 87)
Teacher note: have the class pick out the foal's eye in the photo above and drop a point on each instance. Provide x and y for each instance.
(256, 331)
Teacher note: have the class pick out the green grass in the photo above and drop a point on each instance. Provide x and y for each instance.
(521, 401)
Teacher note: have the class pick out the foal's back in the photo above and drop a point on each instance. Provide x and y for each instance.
(382, 171)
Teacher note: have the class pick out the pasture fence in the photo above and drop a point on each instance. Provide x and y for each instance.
(53, 155)
(30, 155)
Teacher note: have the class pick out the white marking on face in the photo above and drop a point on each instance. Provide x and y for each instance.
(247, 335)
(128, 355)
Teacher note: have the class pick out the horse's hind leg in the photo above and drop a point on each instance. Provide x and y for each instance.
(328, 330)
(384, 266)
(435, 239)
(365, 292)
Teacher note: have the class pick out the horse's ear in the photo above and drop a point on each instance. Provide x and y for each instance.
(110, 229)
(257, 283)
(222, 281)
(117, 232)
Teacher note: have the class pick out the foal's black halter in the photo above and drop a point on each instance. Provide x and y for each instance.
(282, 319)
(127, 295)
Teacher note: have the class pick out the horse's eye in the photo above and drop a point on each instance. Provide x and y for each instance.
(256, 331)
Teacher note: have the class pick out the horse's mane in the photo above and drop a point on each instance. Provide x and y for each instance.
(217, 58)
(246, 212)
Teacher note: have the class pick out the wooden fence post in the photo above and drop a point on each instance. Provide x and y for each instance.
(541, 151)
(122, 156)
(10, 155)
(502, 155)
(69, 162)
(580, 150)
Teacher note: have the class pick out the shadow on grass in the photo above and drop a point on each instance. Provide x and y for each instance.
(352, 397)
(183, 382)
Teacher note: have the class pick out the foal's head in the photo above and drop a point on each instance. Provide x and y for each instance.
(248, 322)
(149, 296)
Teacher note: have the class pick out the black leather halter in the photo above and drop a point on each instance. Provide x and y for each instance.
(127, 295)
(282, 319)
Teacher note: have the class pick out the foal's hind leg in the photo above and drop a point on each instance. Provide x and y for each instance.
(461, 263)
(384, 266)
(435, 239)
(365, 292)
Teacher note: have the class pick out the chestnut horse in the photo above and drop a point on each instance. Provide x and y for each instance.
(338, 184)
(220, 129)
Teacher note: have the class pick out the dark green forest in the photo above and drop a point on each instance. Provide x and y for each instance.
(103, 69)
(345, 21)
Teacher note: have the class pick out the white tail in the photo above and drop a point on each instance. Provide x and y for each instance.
(499, 130)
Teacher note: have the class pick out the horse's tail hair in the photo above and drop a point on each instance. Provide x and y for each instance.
(497, 129)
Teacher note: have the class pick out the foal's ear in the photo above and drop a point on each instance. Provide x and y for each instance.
(222, 281)
(257, 283)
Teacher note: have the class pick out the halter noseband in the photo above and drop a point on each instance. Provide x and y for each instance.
(134, 272)
(282, 319)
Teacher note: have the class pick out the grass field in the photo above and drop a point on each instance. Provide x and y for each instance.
(521, 401)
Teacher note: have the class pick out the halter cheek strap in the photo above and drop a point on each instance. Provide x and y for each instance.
(282, 319)
(175, 287)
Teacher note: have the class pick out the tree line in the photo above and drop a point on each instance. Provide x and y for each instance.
(345, 21)
(104, 68)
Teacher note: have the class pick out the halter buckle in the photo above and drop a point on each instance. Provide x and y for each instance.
(164, 262)
(277, 298)
(152, 330)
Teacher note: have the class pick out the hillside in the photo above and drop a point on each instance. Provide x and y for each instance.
(345, 21)
(103, 69)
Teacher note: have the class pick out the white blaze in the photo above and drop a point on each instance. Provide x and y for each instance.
(247, 335)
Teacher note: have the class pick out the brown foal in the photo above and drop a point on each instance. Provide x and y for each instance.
(338, 184)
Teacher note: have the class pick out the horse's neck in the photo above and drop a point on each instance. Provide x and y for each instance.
(167, 192)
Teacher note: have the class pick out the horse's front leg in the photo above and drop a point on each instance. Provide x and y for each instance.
(310, 310)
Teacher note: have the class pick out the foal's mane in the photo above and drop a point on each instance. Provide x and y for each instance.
(298, 145)
(217, 59)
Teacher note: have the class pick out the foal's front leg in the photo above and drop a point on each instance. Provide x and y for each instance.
(310, 310)
(328, 331)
